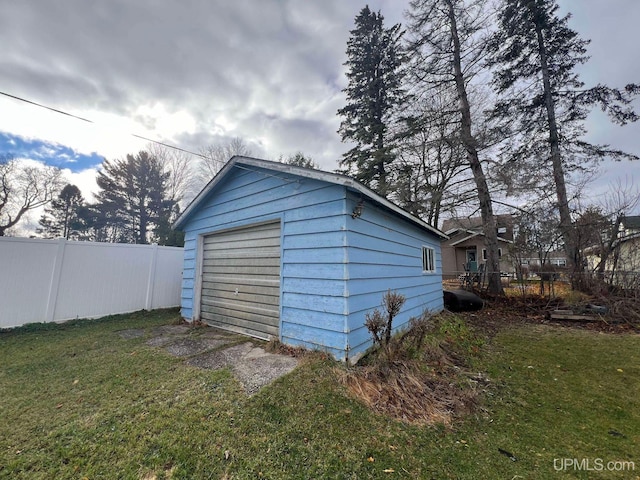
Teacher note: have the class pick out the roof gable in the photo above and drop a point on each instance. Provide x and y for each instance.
(631, 222)
(282, 170)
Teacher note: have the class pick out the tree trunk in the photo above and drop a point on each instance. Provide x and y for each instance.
(470, 144)
(566, 224)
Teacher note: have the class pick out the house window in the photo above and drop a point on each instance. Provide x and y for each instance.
(428, 260)
(484, 253)
(559, 262)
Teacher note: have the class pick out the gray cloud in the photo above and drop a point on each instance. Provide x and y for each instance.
(269, 71)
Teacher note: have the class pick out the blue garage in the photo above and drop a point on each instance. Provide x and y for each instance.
(301, 255)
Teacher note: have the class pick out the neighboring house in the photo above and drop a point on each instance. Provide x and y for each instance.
(629, 226)
(628, 245)
(556, 258)
(299, 255)
(465, 250)
(628, 256)
(623, 263)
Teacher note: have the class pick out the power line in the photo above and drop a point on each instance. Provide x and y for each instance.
(174, 147)
(62, 112)
(44, 106)
(223, 163)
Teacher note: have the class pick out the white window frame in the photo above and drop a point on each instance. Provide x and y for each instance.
(428, 259)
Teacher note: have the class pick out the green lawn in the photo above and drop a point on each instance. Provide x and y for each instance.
(77, 401)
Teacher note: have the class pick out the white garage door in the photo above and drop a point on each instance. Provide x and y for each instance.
(241, 280)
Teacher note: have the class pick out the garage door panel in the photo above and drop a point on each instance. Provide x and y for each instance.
(257, 232)
(240, 326)
(267, 291)
(240, 296)
(240, 242)
(260, 261)
(245, 280)
(241, 280)
(250, 270)
(263, 313)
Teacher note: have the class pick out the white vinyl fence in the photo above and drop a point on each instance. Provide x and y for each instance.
(58, 280)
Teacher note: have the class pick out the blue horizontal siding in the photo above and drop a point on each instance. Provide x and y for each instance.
(385, 253)
(328, 207)
(312, 256)
(339, 352)
(334, 223)
(314, 318)
(314, 286)
(320, 302)
(315, 270)
(311, 335)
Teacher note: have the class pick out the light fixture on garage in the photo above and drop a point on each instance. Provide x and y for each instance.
(357, 211)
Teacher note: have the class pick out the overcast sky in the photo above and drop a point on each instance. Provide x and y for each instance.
(197, 72)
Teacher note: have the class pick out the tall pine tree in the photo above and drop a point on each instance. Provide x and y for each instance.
(61, 218)
(373, 96)
(133, 197)
(544, 102)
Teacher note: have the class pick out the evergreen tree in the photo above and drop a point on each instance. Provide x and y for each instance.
(164, 233)
(544, 103)
(61, 218)
(133, 198)
(299, 159)
(373, 96)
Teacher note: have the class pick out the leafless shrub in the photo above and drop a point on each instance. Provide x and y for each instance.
(380, 324)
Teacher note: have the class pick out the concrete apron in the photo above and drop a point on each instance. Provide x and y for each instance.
(210, 348)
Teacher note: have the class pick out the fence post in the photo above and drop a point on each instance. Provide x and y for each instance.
(148, 304)
(54, 284)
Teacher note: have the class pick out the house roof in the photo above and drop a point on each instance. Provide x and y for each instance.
(473, 223)
(471, 235)
(631, 222)
(283, 169)
(627, 238)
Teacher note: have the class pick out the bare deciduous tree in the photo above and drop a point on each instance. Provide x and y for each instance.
(24, 188)
(598, 229)
(431, 166)
(180, 166)
(215, 156)
(448, 45)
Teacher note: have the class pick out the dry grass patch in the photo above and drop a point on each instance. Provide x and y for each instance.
(409, 394)
(431, 385)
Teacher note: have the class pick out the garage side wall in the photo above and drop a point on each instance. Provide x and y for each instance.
(312, 291)
(385, 252)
